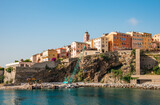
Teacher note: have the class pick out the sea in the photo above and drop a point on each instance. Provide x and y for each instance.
(81, 96)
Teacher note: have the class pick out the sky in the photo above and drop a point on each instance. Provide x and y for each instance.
(28, 27)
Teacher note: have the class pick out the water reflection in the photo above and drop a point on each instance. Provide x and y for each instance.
(81, 96)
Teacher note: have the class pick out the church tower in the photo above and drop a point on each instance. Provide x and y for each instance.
(86, 36)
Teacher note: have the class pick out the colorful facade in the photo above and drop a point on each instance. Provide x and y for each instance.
(61, 53)
(118, 41)
(77, 47)
(156, 37)
(156, 41)
(36, 58)
(49, 54)
(141, 40)
(101, 44)
(68, 50)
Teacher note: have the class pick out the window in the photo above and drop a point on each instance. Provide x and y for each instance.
(22, 65)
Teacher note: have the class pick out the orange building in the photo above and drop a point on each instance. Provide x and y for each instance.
(119, 41)
(141, 40)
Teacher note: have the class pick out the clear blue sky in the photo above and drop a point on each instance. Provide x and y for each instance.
(28, 27)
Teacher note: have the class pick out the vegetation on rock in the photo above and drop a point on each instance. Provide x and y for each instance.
(9, 69)
(156, 70)
(1, 68)
(27, 60)
(47, 67)
(1, 78)
(16, 61)
(106, 58)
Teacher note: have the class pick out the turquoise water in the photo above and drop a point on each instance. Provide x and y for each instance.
(80, 96)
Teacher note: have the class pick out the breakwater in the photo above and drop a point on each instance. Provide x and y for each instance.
(58, 85)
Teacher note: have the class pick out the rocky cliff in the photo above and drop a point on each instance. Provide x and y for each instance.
(95, 68)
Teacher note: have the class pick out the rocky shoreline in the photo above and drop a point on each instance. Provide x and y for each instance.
(26, 86)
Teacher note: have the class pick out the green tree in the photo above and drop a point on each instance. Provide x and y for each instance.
(27, 60)
(2, 68)
(16, 61)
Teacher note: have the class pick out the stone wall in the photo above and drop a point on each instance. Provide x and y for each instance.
(152, 79)
(9, 77)
(50, 64)
(20, 74)
(23, 73)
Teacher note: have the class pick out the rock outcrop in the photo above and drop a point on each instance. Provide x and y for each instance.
(95, 68)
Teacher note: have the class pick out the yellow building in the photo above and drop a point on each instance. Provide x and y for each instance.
(49, 54)
(101, 44)
(141, 40)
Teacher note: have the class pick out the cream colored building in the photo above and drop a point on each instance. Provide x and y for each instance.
(156, 37)
(36, 58)
(101, 44)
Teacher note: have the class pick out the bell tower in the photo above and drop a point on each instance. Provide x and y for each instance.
(86, 36)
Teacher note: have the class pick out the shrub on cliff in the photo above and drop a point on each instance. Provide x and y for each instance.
(16, 61)
(133, 52)
(27, 60)
(106, 58)
(1, 68)
(9, 69)
(1, 78)
(117, 74)
(127, 78)
(80, 75)
(47, 67)
(156, 70)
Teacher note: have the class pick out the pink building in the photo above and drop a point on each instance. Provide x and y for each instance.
(155, 44)
(77, 47)
(68, 50)
(61, 53)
